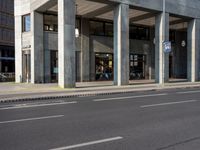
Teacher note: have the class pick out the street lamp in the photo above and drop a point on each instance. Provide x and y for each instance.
(76, 26)
(76, 32)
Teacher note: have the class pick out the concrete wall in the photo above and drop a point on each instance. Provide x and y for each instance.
(22, 7)
(188, 8)
(178, 7)
(51, 41)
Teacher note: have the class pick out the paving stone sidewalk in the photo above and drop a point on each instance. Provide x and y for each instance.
(11, 92)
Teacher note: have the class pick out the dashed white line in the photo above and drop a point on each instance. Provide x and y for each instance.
(37, 105)
(89, 143)
(170, 103)
(31, 119)
(129, 97)
(188, 92)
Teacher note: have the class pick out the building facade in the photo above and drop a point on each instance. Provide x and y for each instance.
(69, 41)
(7, 63)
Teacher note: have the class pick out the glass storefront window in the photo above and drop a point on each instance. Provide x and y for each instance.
(26, 21)
(133, 32)
(50, 22)
(96, 28)
(172, 36)
(139, 33)
(143, 33)
(104, 66)
(137, 66)
(46, 27)
(109, 29)
(54, 66)
(78, 23)
(102, 28)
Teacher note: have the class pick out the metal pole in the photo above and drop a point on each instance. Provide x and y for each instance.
(163, 54)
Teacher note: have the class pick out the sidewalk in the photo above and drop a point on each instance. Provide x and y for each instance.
(11, 92)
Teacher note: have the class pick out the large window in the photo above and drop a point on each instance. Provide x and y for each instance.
(172, 36)
(108, 29)
(139, 33)
(102, 28)
(137, 66)
(104, 66)
(51, 23)
(26, 23)
(97, 28)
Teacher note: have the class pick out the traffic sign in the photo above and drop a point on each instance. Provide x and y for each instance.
(167, 48)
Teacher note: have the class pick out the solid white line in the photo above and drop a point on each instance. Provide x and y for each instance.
(129, 97)
(170, 103)
(89, 143)
(37, 105)
(30, 119)
(188, 92)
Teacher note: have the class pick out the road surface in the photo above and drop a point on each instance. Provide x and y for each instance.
(153, 120)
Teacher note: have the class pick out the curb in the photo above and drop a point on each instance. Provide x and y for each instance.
(68, 96)
(86, 94)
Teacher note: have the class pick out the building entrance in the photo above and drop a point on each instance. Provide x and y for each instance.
(137, 66)
(104, 66)
(26, 60)
(54, 66)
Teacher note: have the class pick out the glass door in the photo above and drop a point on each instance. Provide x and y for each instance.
(104, 66)
(26, 66)
(137, 66)
(54, 66)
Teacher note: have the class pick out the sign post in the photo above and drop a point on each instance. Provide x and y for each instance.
(167, 48)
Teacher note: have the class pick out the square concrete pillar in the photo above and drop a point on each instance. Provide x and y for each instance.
(0, 61)
(18, 49)
(66, 43)
(161, 58)
(121, 45)
(37, 48)
(85, 50)
(193, 49)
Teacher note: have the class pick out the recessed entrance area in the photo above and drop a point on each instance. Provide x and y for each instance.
(104, 67)
(110, 41)
(95, 22)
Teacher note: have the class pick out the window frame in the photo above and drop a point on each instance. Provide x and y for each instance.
(24, 27)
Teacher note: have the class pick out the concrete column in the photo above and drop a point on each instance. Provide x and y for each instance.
(0, 61)
(161, 58)
(18, 49)
(121, 45)
(37, 48)
(66, 43)
(85, 51)
(193, 50)
(47, 68)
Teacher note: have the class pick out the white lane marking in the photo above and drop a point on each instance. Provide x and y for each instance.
(37, 105)
(129, 97)
(188, 92)
(89, 143)
(31, 119)
(170, 103)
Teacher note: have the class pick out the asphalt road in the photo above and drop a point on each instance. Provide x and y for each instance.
(154, 120)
